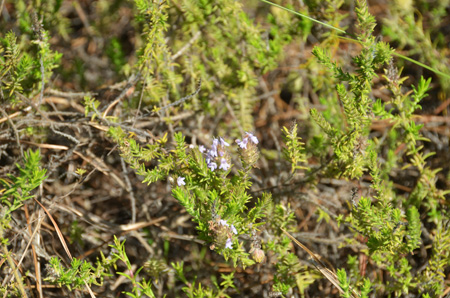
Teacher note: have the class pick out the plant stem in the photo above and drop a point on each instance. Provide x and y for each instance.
(14, 269)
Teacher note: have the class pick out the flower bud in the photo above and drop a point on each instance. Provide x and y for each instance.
(258, 255)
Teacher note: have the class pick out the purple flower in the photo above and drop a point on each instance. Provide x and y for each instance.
(229, 244)
(252, 138)
(223, 222)
(201, 148)
(215, 143)
(224, 165)
(212, 152)
(233, 229)
(212, 166)
(243, 143)
(180, 181)
(223, 143)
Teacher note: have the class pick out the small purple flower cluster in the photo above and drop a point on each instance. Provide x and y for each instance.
(248, 137)
(217, 154)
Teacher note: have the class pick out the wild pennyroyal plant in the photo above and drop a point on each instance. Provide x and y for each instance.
(217, 200)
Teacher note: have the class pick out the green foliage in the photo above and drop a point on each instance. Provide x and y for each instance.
(116, 54)
(48, 59)
(135, 155)
(343, 282)
(410, 32)
(382, 225)
(156, 268)
(425, 191)
(14, 66)
(82, 273)
(49, 14)
(76, 233)
(193, 289)
(178, 43)
(290, 272)
(347, 289)
(234, 51)
(350, 146)
(19, 188)
(390, 231)
(17, 191)
(79, 274)
(22, 67)
(431, 280)
(294, 151)
(414, 229)
(284, 280)
(90, 107)
(152, 57)
(140, 289)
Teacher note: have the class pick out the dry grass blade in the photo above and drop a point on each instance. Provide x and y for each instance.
(58, 231)
(89, 290)
(330, 275)
(35, 259)
(63, 242)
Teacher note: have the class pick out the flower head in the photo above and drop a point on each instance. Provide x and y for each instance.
(248, 136)
(233, 229)
(243, 143)
(212, 166)
(252, 138)
(180, 181)
(217, 156)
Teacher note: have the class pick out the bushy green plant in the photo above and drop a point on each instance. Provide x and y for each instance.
(193, 290)
(19, 188)
(79, 273)
(219, 204)
(349, 144)
(14, 67)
